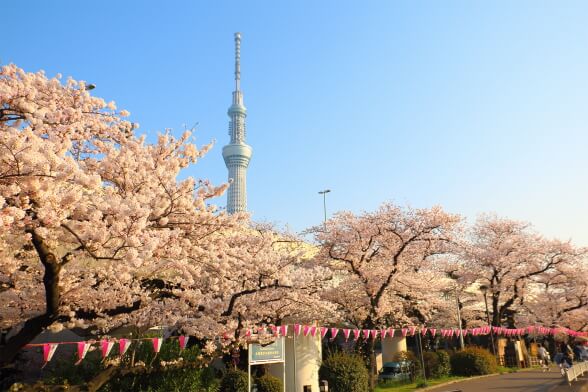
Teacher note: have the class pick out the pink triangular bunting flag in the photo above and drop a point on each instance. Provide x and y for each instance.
(297, 329)
(156, 344)
(346, 333)
(48, 351)
(183, 341)
(334, 332)
(83, 348)
(284, 330)
(123, 346)
(105, 347)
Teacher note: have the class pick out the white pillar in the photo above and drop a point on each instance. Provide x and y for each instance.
(303, 360)
(390, 346)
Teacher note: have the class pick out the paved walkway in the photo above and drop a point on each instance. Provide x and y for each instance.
(523, 381)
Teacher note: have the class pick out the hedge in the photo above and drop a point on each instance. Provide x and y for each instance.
(345, 373)
(234, 381)
(473, 361)
(269, 383)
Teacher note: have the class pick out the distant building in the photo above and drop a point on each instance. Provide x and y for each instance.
(237, 153)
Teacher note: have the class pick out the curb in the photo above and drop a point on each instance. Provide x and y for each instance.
(468, 379)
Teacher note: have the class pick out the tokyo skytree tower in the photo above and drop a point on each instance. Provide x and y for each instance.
(237, 153)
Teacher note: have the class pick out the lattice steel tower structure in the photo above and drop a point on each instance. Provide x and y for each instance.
(237, 153)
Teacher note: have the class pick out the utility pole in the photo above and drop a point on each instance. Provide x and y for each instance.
(419, 341)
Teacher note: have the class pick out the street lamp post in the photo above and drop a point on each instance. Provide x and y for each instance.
(484, 290)
(324, 193)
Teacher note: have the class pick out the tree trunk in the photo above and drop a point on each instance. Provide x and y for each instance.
(34, 326)
(102, 378)
(495, 311)
(372, 367)
(31, 329)
(368, 348)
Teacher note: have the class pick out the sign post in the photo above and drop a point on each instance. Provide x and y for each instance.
(269, 353)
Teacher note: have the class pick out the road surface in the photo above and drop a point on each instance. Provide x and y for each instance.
(523, 381)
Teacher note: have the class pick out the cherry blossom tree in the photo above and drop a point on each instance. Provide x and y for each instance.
(268, 277)
(559, 298)
(96, 227)
(384, 263)
(510, 259)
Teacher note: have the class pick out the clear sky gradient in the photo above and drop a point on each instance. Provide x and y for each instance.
(476, 106)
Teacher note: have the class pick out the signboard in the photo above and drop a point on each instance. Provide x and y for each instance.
(271, 353)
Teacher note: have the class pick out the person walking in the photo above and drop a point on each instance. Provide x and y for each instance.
(544, 357)
(563, 359)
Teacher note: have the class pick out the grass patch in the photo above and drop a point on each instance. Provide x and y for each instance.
(504, 369)
(407, 387)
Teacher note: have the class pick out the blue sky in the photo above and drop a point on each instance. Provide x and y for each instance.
(476, 106)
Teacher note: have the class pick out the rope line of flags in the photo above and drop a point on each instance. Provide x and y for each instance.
(106, 344)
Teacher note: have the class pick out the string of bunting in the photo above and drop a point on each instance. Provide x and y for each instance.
(106, 345)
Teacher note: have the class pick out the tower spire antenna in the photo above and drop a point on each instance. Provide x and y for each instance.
(237, 61)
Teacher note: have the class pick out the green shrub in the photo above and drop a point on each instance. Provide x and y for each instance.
(269, 383)
(444, 365)
(345, 373)
(473, 361)
(437, 364)
(431, 364)
(234, 381)
(183, 379)
(157, 379)
(177, 380)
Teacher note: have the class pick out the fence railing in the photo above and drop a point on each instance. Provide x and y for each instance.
(577, 370)
(508, 360)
